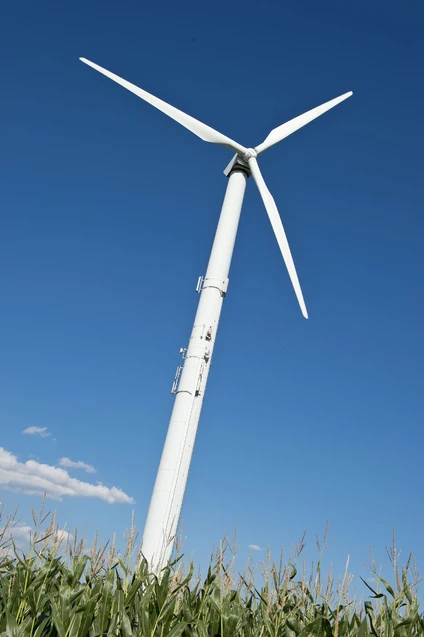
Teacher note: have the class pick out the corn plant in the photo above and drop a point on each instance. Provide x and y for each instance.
(79, 591)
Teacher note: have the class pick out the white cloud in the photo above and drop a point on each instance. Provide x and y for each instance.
(41, 431)
(18, 532)
(34, 478)
(22, 534)
(66, 462)
(255, 547)
(63, 535)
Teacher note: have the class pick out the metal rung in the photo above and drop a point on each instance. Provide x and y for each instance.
(199, 285)
(176, 379)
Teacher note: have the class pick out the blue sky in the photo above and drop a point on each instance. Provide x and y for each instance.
(108, 211)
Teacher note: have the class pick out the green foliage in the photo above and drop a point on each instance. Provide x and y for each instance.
(81, 593)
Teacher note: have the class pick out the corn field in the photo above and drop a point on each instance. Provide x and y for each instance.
(61, 588)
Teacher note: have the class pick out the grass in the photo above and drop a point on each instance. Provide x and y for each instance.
(63, 588)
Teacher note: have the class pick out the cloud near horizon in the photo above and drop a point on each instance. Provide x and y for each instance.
(24, 532)
(255, 547)
(22, 535)
(40, 431)
(35, 478)
(79, 464)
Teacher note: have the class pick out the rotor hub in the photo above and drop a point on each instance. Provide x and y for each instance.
(250, 153)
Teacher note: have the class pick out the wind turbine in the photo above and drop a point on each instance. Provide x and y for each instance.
(190, 381)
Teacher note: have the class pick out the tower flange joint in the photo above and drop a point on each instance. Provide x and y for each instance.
(239, 164)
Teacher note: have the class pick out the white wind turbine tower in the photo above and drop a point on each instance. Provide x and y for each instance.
(190, 383)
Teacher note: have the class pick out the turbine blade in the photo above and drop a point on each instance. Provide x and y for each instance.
(279, 133)
(279, 232)
(203, 131)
